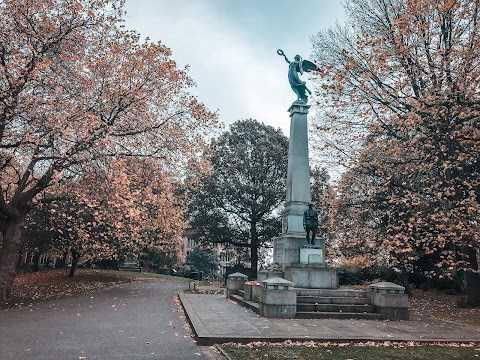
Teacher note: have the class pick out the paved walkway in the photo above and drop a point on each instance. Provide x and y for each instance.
(133, 321)
(217, 320)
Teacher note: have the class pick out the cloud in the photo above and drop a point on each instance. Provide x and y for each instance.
(231, 49)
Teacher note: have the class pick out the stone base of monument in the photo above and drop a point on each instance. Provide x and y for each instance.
(286, 248)
(311, 276)
(312, 255)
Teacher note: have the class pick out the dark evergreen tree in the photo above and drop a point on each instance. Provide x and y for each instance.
(238, 201)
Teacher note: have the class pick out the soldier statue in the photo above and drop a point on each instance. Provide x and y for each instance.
(310, 223)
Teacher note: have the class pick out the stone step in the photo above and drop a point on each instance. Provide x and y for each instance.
(332, 292)
(332, 300)
(337, 315)
(248, 304)
(342, 308)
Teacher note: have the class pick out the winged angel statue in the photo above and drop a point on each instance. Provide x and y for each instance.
(298, 66)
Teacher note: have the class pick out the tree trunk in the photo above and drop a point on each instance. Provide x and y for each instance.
(36, 261)
(64, 259)
(472, 277)
(254, 248)
(75, 257)
(12, 243)
(19, 261)
(254, 260)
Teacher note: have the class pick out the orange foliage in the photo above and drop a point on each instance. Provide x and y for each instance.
(76, 89)
(399, 93)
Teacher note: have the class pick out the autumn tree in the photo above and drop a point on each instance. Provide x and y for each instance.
(406, 76)
(76, 87)
(132, 208)
(38, 236)
(237, 201)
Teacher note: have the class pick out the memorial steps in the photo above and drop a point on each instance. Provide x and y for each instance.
(334, 304)
(325, 304)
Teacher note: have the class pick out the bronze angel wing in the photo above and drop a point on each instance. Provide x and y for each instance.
(308, 66)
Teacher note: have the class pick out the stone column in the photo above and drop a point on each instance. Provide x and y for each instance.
(298, 173)
(286, 248)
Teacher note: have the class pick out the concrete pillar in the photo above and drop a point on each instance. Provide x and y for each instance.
(389, 300)
(235, 282)
(278, 299)
(252, 291)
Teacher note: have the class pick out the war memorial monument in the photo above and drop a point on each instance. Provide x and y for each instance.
(300, 283)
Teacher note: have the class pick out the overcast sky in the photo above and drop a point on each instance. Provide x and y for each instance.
(230, 46)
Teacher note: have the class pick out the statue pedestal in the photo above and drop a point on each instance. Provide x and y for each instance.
(311, 276)
(314, 256)
(286, 248)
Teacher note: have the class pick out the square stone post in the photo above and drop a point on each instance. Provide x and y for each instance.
(389, 300)
(235, 282)
(278, 299)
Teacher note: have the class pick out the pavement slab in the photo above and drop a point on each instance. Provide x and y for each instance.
(216, 319)
(131, 321)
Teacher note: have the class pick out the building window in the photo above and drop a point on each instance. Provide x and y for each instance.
(191, 242)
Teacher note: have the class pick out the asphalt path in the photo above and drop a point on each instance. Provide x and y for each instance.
(132, 321)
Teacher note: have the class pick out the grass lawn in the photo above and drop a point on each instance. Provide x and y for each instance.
(32, 287)
(349, 351)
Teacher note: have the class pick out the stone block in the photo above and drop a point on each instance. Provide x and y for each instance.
(389, 300)
(310, 255)
(235, 282)
(286, 248)
(252, 291)
(256, 292)
(278, 299)
(277, 311)
(247, 288)
(312, 276)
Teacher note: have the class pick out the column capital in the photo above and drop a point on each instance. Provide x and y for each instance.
(299, 107)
